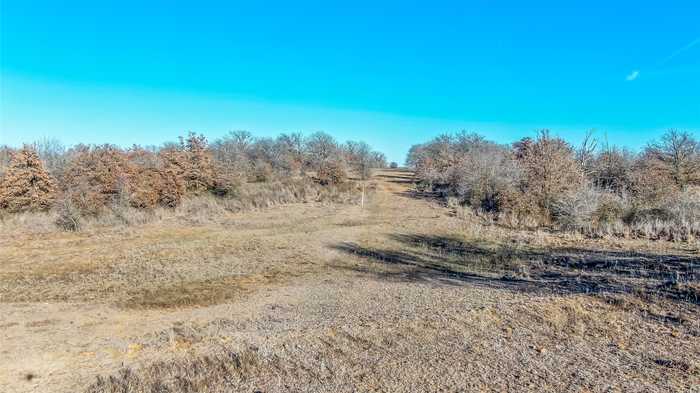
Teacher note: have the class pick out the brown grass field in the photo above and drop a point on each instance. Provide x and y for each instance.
(403, 295)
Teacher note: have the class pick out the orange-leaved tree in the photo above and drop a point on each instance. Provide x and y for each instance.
(192, 162)
(26, 184)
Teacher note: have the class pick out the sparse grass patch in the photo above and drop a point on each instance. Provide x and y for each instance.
(201, 292)
(222, 371)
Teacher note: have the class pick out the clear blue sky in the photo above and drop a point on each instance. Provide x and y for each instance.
(391, 73)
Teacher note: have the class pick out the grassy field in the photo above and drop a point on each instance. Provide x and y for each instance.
(403, 295)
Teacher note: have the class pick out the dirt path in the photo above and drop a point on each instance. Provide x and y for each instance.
(47, 345)
(281, 282)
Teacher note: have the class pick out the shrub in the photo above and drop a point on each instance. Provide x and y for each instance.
(96, 177)
(143, 158)
(519, 211)
(675, 218)
(612, 170)
(686, 207)
(432, 161)
(150, 187)
(393, 165)
(549, 170)
(241, 155)
(577, 208)
(69, 217)
(226, 183)
(586, 153)
(649, 185)
(332, 172)
(106, 185)
(144, 188)
(26, 185)
(172, 189)
(199, 172)
(544, 180)
(261, 171)
(486, 177)
(191, 163)
(612, 208)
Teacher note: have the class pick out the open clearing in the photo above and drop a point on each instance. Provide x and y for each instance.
(403, 295)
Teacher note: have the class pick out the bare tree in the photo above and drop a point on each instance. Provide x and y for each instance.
(379, 160)
(676, 155)
(321, 147)
(291, 148)
(612, 169)
(360, 157)
(54, 155)
(232, 152)
(5, 156)
(585, 153)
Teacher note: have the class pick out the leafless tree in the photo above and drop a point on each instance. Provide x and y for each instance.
(54, 155)
(5, 156)
(360, 157)
(612, 169)
(586, 153)
(232, 152)
(676, 155)
(321, 147)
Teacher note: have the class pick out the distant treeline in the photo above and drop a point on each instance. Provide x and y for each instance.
(592, 188)
(87, 179)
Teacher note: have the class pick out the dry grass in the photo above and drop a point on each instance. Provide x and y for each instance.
(220, 372)
(152, 265)
(198, 210)
(513, 345)
(529, 268)
(404, 295)
(203, 292)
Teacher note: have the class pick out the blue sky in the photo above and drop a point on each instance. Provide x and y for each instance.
(391, 73)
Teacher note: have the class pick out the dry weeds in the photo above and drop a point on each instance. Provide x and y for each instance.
(404, 296)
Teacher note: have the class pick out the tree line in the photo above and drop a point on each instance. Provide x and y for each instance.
(545, 181)
(90, 178)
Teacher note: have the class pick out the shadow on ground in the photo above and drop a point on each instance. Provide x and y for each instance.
(452, 261)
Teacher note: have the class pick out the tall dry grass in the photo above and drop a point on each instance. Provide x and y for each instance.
(198, 209)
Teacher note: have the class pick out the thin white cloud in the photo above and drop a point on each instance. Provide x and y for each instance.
(635, 73)
(681, 50)
(632, 76)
